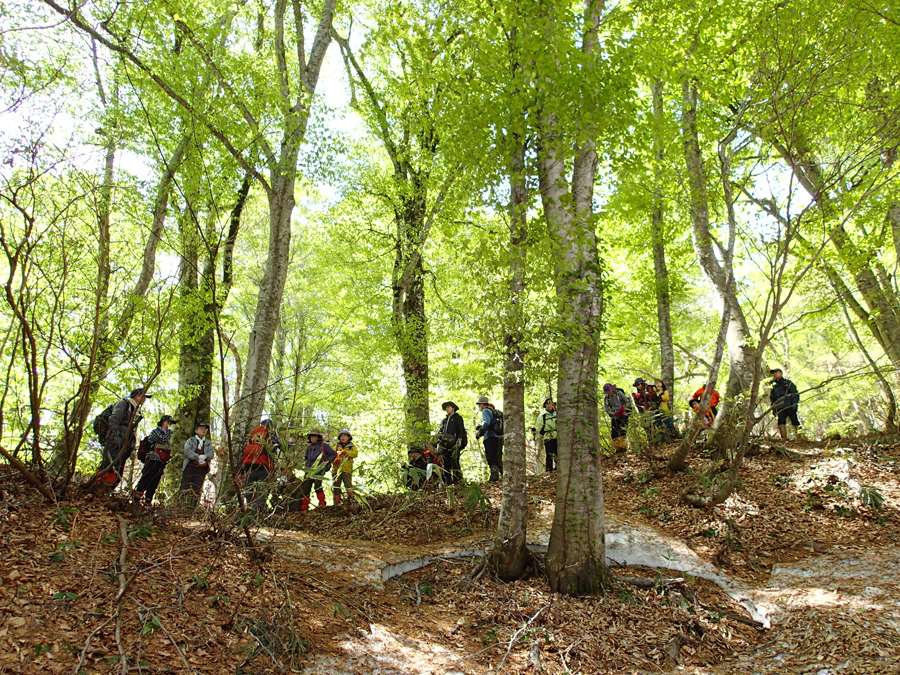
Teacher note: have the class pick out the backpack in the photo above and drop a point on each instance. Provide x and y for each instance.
(255, 451)
(497, 422)
(144, 449)
(101, 423)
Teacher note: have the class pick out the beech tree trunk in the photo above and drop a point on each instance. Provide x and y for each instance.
(741, 355)
(408, 315)
(509, 555)
(658, 239)
(576, 558)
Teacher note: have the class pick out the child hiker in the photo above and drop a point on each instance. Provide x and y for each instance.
(343, 465)
(319, 456)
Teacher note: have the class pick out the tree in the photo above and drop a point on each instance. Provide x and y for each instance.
(576, 559)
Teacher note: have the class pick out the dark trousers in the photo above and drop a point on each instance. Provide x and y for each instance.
(312, 482)
(789, 414)
(452, 469)
(115, 455)
(493, 453)
(551, 459)
(192, 482)
(150, 476)
(619, 426)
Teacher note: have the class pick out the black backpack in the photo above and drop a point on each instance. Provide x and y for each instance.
(101, 423)
(497, 422)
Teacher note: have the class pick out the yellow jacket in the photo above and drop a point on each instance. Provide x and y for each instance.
(345, 455)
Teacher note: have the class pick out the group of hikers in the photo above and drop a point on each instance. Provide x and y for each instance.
(116, 428)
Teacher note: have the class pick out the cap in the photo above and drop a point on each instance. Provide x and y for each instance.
(201, 424)
(167, 418)
(547, 400)
(345, 431)
(138, 392)
(638, 381)
(609, 388)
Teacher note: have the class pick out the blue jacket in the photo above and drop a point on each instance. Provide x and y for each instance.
(487, 417)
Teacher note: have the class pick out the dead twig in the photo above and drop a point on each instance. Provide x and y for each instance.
(519, 632)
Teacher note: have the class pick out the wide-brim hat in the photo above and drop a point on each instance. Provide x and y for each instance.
(483, 399)
(138, 392)
(639, 380)
(609, 388)
(446, 403)
(314, 432)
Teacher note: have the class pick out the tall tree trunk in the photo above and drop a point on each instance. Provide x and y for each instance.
(408, 316)
(509, 555)
(658, 238)
(268, 306)
(741, 355)
(576, 558)
(105, 343)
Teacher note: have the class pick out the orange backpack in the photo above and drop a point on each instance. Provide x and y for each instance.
(255, 451)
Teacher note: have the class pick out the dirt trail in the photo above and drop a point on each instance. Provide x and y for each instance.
(832, 614)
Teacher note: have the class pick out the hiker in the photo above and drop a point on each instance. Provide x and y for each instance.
(493, 451)
(713, 399)
(343, 465)
(665, 411)
(618, 406)
(159, 452)
(647, 402)
(708, 417)
(420, 467)
(319, 456)
(256, 462)
(784, 398)
(451, 440)
(120, 436)
(545, 427)
(198, 452)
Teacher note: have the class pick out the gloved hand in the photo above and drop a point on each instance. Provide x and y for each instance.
(620, 412)
(201, 459)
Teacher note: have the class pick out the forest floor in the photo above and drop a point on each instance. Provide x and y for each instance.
(95, 585)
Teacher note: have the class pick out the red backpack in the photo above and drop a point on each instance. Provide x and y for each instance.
(255, 451)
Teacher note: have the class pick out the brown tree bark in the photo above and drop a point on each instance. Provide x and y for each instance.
(658, 239)
(509, 555)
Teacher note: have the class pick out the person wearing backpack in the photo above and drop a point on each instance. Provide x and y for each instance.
(545, 427)
(198, 452)
(617, 405)
(257, 461)
(491, 429)
(343, 465)
(319, 456)
(120, 436)
(784, 398)
(155, 452)
(452, 439)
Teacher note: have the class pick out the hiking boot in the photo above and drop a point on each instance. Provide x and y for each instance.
(495, 474)
(321, 497)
